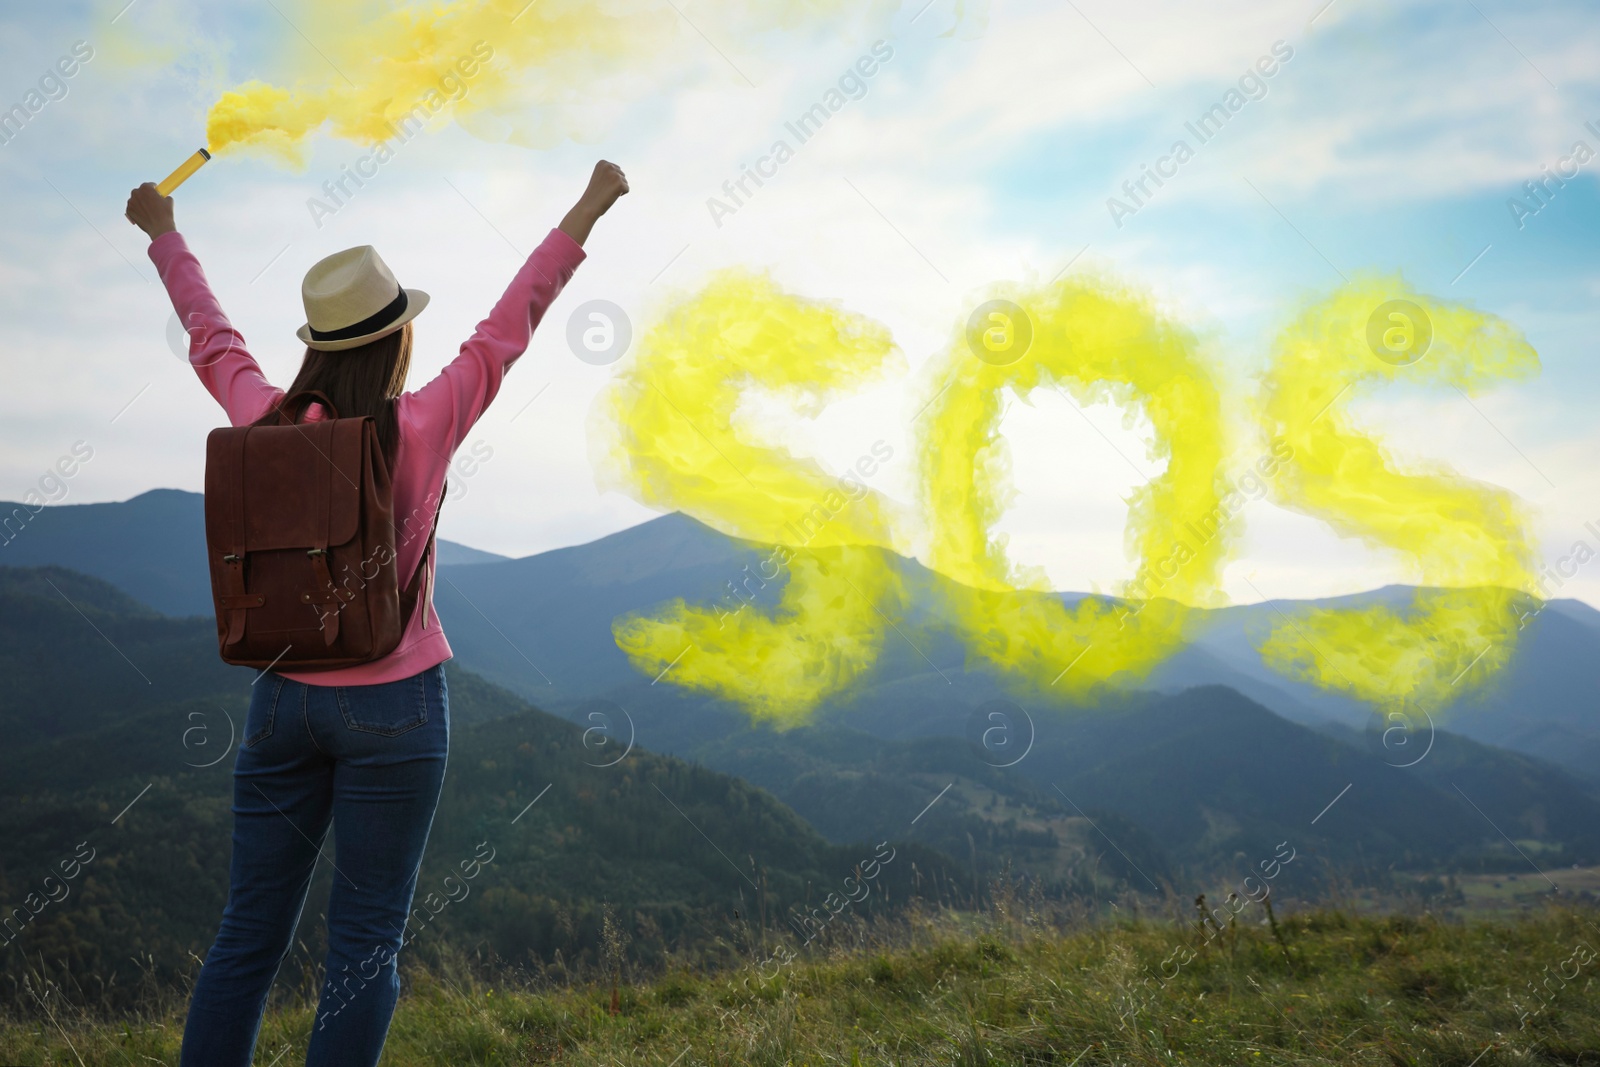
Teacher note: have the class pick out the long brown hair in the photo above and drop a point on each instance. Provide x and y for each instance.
(358, 381)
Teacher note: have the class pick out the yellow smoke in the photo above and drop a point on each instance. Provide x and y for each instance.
(1098, 343)
(676, 440)
(1467, 541)
(531, 73)
(670, 431)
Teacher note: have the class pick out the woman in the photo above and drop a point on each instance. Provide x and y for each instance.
(363, 747)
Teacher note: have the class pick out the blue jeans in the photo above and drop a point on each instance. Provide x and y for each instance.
(370, 760)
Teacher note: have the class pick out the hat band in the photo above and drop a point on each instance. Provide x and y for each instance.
(370, 324)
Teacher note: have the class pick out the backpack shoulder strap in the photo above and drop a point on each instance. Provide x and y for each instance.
(414, 589)
(287, 412)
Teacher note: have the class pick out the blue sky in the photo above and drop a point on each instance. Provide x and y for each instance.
(985, 150)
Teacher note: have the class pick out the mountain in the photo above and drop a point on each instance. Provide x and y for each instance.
(1222, 757)
(121, 725)
(500, 620)
(452, 554)
(541, 625)
(1542, 704)
(1194, 779)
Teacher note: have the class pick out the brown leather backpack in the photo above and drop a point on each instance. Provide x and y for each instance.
(301, 537)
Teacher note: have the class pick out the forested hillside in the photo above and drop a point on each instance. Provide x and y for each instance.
(127, 787)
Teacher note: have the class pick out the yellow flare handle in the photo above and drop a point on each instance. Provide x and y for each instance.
(181, 175)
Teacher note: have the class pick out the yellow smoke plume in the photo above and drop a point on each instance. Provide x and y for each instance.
(1467, 541)
(669, 432)
(1096, 342)
(531, 73)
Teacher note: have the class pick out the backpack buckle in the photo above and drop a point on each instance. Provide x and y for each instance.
(230, 558)
(316, 552)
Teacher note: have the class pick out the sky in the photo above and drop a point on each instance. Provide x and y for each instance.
(1391, 137)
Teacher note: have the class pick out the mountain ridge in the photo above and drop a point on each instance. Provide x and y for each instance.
(540, 625)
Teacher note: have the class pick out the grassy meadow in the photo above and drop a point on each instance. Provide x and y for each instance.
(1008, 987)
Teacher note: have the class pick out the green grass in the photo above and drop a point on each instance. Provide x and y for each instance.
(964, 991)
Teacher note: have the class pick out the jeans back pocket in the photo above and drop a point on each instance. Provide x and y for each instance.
(263, 711)
(389, 708)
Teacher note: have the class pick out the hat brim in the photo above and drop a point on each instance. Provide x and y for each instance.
(416, 300)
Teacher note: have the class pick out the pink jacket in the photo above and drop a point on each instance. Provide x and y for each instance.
(434, 420)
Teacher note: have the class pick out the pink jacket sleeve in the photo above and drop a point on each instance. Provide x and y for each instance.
(216, 350)
(445, 409)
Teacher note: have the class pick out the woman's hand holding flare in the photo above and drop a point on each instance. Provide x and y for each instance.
(605, 185)
(150, 211)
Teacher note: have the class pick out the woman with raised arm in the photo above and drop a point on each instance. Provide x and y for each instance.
(360, 747)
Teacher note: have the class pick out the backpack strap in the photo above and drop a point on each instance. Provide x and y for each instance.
(414, 590)
(236, 596)
(282, 408)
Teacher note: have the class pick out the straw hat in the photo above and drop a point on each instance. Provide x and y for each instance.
(351, 298)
